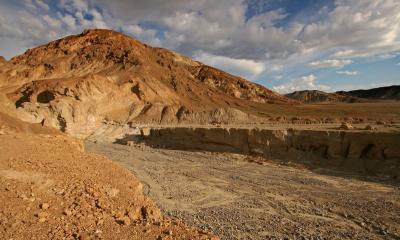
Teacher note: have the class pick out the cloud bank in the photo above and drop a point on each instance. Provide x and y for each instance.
(303, 83)
(228, 34)
(348, 73)
(330, 63)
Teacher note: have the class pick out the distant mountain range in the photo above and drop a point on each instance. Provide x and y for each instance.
(315, 96)
(384, 93)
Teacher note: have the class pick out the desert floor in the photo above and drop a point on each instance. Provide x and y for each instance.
(237, 198)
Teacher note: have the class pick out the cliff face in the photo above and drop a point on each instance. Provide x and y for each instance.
(367, 152)
(77, 82)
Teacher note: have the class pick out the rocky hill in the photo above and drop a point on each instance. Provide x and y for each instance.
(315, 96)
(80, 81)
(381, 93)
(2, 60)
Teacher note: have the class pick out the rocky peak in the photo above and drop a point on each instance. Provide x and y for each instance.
(78, 81)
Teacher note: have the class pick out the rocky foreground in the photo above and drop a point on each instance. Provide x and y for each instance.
(51, 189)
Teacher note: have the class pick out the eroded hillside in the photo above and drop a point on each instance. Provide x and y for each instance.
(76, 83)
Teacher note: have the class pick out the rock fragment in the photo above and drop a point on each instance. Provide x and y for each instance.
(346, 126)
(44, 206)
(67, 212)
(369, 127)
(124, 220)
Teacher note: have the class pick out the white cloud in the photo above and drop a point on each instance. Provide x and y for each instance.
(138, 32)
(276, 67)
(387, 56)
(278, 77)
(29, 4)
(74, 5)
(330, 63)
(69, 21)
(348, 73)
(344, 54)
(30, 24)
(357, 27)
(364, 27)
(42, 5)
(243, 67)
(52, 22)
(303, 83)
(97, 20)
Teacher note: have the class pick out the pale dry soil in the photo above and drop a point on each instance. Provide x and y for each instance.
(239, 199)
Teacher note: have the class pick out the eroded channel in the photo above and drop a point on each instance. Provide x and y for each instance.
(223, 192)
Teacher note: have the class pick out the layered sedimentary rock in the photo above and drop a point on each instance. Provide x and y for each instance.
(365, 151)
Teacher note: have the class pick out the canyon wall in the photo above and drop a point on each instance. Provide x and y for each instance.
(367, 152)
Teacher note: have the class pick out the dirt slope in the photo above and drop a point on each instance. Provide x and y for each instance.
(78, 82)
(51, 189)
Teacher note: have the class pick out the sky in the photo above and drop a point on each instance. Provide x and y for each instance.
(285, 45)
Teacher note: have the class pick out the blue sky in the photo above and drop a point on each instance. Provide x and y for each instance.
(286, 45)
